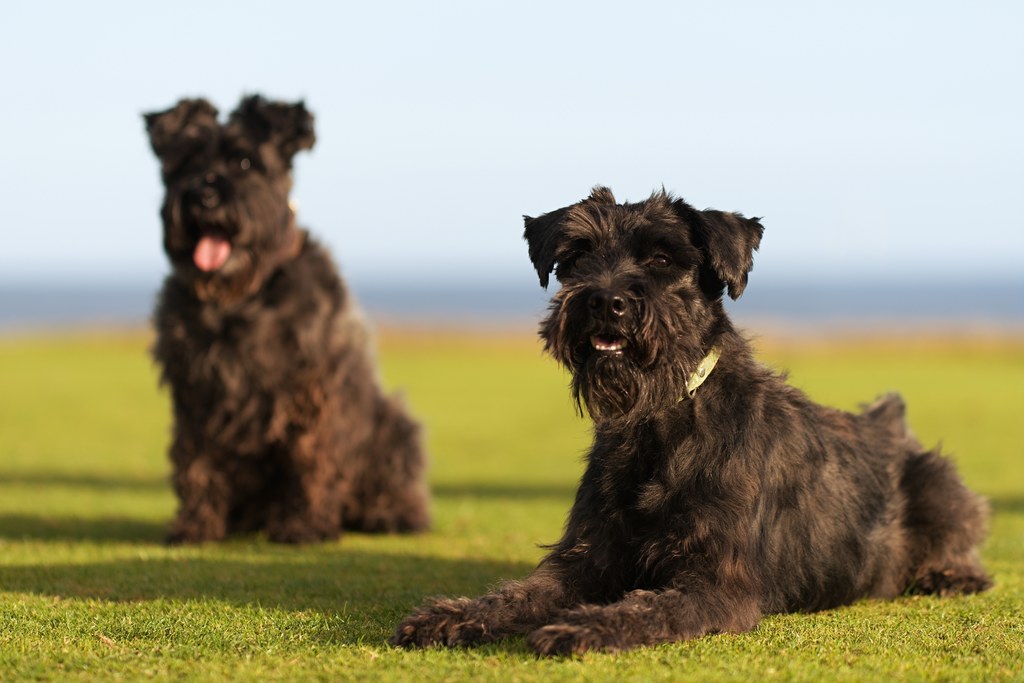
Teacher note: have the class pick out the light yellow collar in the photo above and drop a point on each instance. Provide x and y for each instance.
(704, 368)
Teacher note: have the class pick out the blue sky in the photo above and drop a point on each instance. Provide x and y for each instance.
(877, 139)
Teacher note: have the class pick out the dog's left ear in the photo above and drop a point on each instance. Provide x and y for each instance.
(728, 241)
(288, 126)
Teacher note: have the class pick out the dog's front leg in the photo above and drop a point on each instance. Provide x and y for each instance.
(203, 498)
(309, 509)
(646, 618)
(515, 607)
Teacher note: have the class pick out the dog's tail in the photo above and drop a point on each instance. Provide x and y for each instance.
(889, 413)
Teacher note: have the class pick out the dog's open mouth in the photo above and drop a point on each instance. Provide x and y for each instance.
(211, 252)
(608, 343)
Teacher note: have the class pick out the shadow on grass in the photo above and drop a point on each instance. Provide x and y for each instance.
(104, 529)
(88, 482)
(363, 594)
(560, 491)
(1007, 505)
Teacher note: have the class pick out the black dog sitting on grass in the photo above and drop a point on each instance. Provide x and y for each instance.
(714, 492)
(279, 421)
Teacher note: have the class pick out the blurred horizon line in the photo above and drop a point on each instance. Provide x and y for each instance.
(808, 302)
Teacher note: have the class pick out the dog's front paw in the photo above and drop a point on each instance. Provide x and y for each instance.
(180, 537)
(567, 639)
(297, 531)
(184, 532)
(444, 622)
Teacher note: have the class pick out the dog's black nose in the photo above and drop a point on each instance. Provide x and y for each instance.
(606, 302)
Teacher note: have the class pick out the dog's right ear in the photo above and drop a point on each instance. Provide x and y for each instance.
(185, 128)
(545, 234)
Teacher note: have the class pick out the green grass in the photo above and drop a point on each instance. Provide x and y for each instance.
(87, 590)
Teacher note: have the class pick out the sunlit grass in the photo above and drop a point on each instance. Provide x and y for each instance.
(87, 591)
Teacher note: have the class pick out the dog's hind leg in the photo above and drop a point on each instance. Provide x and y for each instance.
(391, 494)
(945, 523)
(647, 618)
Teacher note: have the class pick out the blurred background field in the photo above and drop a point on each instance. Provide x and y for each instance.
(87, 589)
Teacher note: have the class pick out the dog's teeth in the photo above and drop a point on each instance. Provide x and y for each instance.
(602, 344)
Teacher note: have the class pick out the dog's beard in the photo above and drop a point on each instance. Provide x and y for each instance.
(614, 388)
(625, 385)
(256, 229)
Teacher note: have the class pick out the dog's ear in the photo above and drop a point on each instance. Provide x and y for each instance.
(184, 129)
(728, 241)
(545, 234)
(288, 126)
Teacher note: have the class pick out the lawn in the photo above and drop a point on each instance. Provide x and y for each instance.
(88, 591)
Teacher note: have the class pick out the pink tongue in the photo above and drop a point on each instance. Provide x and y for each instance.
(211, 253)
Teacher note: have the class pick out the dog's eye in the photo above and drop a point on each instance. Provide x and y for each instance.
(245, 164)
(564, 265)
(567, 258)
(659, 261)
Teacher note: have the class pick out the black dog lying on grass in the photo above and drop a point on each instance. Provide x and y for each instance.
(279, 421)
(714, 492)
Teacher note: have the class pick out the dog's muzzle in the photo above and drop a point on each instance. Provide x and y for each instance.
(608, 309)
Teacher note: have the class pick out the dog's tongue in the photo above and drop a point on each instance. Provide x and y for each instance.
(211, 253)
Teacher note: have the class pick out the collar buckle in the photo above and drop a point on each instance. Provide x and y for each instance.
(703, 371)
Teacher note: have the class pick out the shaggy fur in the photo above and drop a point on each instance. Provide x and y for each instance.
(279, 421)
(700, 511)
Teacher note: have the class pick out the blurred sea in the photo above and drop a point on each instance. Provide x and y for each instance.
(926, 305)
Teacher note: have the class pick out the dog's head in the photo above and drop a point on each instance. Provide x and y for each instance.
(640, 302)
(226, 217)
